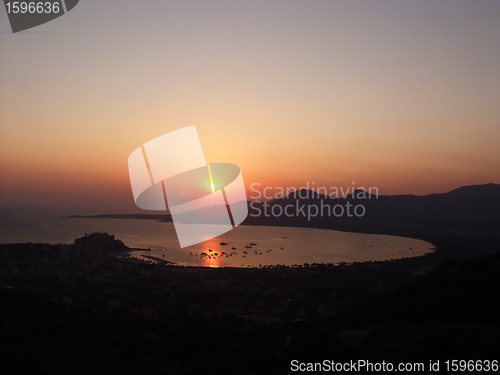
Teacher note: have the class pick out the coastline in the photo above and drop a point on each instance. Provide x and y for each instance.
(351, 309)
(446, 244)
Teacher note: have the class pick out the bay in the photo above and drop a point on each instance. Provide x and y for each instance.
(275, 245)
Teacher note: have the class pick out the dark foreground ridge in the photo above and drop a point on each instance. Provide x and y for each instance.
(87, 309)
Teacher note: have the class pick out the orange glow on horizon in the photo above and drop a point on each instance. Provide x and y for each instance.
(307, 96)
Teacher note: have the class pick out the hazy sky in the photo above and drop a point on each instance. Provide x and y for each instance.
(402, 95)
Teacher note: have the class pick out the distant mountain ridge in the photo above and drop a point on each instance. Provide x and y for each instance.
(471, 190)
(466, 208)
(475, 207)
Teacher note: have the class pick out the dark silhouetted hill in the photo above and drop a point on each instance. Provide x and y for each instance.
(466, 208)
(453, 312)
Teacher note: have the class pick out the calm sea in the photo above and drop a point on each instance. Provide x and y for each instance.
(275, 245)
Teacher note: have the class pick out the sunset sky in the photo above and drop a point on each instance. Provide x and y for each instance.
(401, 95)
